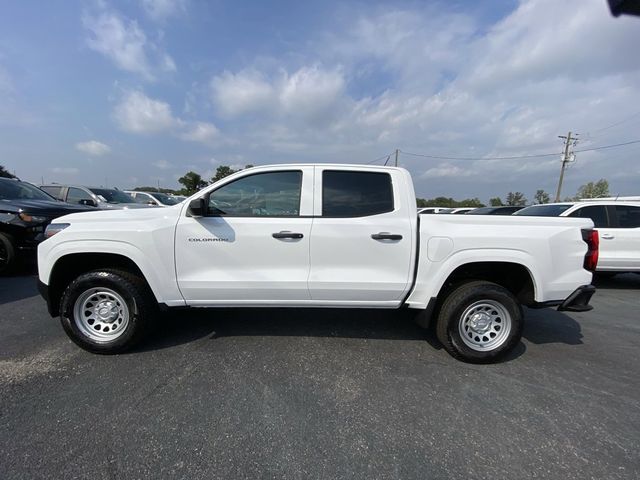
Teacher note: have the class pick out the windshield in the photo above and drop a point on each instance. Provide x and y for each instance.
(543, 210)
(113, 196)
(14, 190)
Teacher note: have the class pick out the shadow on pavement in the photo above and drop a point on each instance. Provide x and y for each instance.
(623, 281)
(14, 288)
(550, 326)
(182, 327)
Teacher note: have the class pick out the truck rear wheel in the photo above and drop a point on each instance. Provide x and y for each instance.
(106, 311)
(479, 322)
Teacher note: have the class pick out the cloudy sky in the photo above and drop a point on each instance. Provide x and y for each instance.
(138, 92)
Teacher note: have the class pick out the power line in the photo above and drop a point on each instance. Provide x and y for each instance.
(539, 155)
(441, 157)
(615, 124)
(607, 146)
(378, 159)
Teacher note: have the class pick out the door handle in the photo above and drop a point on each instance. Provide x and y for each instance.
(386, 236)
(287, 234)
(608, 236)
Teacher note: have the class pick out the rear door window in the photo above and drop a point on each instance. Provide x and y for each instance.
(597, 213)
(628, 216)
(54, 191)
(74, 195)
(356, 194)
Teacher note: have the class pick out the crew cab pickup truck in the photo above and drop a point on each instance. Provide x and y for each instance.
(343, 236)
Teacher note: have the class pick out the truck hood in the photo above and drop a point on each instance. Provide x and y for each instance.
(122, 206)
(42, 207)
(121, 215)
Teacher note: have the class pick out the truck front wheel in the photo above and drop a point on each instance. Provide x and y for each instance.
(106, 311)
(479, 322)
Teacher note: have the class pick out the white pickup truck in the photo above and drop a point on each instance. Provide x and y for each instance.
(345, 236)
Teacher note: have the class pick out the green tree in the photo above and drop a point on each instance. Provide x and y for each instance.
(541, 197)
(516, 199)
(192, 183)
(221, 172)
(496, 202)
(598, 189)
(224, 171)
(4, 173)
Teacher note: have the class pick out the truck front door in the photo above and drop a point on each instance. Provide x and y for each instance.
(253, 244)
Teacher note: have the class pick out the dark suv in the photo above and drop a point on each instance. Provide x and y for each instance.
(25, 211)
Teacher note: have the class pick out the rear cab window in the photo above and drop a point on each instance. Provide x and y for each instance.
(628, 216)
(348, 193)
(597, 213)
(543, 210)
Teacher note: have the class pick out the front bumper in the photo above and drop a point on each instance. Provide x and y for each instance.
(578, 301)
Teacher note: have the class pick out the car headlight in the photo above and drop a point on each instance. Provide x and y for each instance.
(25, 217)
(54, 228)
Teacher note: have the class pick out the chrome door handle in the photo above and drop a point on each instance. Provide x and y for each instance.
(287, 234)
(386, 236)
(608, 236)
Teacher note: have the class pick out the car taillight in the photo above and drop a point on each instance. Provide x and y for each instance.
(593, 243)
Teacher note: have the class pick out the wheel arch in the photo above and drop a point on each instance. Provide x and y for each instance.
(511, 269)
(70, 266)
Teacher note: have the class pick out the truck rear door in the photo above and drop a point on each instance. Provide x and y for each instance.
(362, 237)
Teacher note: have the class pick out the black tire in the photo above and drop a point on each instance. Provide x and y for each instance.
(455, 305)
(7, 254)
(137, 296)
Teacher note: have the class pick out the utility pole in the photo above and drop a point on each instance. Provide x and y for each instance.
(565, 160)
(397, 151)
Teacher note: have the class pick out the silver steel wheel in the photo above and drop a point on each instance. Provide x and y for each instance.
(484, 325)
(101, 314)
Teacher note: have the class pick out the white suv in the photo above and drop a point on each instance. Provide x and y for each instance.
(618, 223)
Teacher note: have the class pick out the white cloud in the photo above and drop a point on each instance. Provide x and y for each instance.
(311, 94)
(65, 170)
(160, 10)
(446, 170)
(246, 91)
(93, 147)
(138, 113)
(125, 43)
(162, 165)
(202, 132)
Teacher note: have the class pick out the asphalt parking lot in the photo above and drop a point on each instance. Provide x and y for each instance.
(321, 394)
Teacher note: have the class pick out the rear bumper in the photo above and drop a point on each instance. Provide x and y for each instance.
(578, 301)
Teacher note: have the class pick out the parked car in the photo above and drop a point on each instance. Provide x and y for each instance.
(504, 210)
(153, 198)
(25, 211)
(97, 197)
(432, 209)
(462, 210)
(314, 236)
(618, 223)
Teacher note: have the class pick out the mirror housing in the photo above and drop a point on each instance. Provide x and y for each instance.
(197, 207)
(88, 202)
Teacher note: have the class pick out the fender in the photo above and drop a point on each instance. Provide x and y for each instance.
(431, 276)
(162, 281)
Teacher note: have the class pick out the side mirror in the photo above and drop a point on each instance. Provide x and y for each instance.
(88, 202)
(197, 207)
(151, 202)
